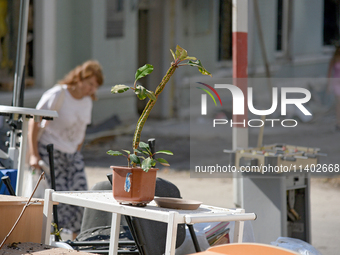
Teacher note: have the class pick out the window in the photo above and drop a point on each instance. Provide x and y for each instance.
(282, 26)
(114, 18)
(225, 30)
(279, 25)
(331, 22)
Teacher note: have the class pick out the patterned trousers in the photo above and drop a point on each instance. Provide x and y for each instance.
(69, 176)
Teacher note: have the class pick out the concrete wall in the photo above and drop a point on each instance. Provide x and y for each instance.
(71, 32)
(308, 27)
(78, 33)
(82, 36)
(118, 57)
(73, 37)
(306, 56)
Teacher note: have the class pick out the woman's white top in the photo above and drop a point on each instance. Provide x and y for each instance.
(68, 130)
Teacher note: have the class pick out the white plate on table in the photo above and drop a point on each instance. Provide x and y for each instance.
(177, 203)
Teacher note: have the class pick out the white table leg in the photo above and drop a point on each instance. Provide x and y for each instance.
(115, 227)
(171, 234)
(47, 217)
(238, 230)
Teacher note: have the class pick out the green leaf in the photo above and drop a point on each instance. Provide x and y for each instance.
(163, 161)
(114, 153)
(190, 58)
(181, 53)
(150, 95)
(119, 89)
(146, 164)
(142, 151)
(153, 162)
(164, 152)
(144, 146)
(198, 64)
(135, 159)
(128, 152)
(140, 92)
(146, 152)
(173, 54)
(138, 151)
(143, 71)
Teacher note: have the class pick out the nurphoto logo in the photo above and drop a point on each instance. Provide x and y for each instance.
(239, 103)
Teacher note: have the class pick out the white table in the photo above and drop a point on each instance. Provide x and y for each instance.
(103, 200)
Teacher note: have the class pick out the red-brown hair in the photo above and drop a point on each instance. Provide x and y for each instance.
(86, 70)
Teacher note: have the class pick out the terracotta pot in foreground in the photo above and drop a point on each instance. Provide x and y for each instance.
(132, 185)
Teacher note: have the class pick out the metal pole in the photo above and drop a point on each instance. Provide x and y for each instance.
(13, 152)
(266, 64)
(53, 186)
(21, 50)
(240, 75)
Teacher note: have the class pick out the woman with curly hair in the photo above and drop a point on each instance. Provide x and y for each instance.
(72, 98)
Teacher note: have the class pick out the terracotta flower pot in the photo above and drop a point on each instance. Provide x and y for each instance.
(132, 185)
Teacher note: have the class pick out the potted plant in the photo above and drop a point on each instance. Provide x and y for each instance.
(135, 183)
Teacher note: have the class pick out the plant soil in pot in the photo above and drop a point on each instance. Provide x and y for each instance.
(132, 185)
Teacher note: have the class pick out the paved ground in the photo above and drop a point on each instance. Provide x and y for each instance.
(175, 136)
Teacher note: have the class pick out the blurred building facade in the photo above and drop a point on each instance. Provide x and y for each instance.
(298, 38)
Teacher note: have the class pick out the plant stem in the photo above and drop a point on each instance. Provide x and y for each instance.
(145, 114)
